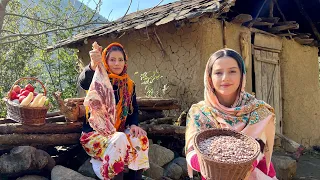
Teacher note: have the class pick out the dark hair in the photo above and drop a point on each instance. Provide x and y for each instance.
(226, 53)
(116, 48)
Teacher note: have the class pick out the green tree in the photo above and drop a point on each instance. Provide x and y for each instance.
(27, 28)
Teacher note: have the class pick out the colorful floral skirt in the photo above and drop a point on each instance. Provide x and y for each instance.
(116, 151)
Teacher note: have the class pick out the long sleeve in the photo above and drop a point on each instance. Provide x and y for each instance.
(133, 117)
(85, 78)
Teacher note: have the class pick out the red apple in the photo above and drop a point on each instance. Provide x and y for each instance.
(13, 95)
(21, 90)
(16, 88)
(21, 98)
(25, 93)
(29, 87)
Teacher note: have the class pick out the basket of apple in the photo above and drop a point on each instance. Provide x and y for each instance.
(25, 105)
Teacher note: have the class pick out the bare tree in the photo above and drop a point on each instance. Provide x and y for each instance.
(55, 24)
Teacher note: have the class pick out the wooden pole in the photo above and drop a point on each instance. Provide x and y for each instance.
(164, 130)
(251, 23)
(305, 14)
(44, 139)
(48, 128)
(271, 5)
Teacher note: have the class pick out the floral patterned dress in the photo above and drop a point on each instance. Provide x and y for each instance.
(115, 151)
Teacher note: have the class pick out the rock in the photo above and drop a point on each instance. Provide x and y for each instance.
(182, 162)
(154, 172)
(63, 173)
(51, 162)
(160, 155)
(146, 178)
(23, 158)
(285, 167)
(173, 171)
(32, 177)
(86, 169)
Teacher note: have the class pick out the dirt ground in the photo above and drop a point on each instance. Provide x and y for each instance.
(309, 166)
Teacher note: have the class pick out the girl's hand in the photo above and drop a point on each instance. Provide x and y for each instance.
(137, 131)
(95, 55)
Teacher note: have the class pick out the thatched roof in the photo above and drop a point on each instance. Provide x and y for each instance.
(176, 11)
(296, 19)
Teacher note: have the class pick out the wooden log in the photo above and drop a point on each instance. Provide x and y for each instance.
(151, 102)
(270, 19)
(286, 34)
(303, 41)
(255, 30)
(147, 115)
(4, 121)
(142, 101)
(291, 146)
(242, 18)
(167, 107)
(44, 139)
(48, 128)
(303, 35)
(164, 130)
(262, 23)
(285, 23)
(309, 20)
(165, 120)
(60, 118)
(284, 27)
(52, 114)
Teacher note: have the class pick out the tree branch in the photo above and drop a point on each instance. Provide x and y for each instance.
(27, 17)
(127, 10)
(45, 32)
(87, 23)
(3, 5)
(305, 14)
(152, 8)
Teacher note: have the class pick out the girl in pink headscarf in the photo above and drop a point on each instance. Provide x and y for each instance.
(227, 105)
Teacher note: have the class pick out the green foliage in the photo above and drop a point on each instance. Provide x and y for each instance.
(25, 54)
(152, 83)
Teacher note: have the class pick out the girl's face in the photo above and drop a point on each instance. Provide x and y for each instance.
(116, 62)
(226, 77)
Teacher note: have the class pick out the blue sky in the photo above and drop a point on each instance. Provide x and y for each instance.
(119, 7)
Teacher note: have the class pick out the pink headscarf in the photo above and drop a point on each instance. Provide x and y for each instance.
(248, 115)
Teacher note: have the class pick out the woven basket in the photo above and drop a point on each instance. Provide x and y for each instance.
(215, 170)
(34, 116)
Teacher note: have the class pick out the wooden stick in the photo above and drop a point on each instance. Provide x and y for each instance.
(45, 139)
(155, 101)
(60, 118)
(224, 33)
(284, 27)
(48, 128)
(242, 18)
(271, 5)
(305, 14)
(52, 114)
(250, 25)
(165, 120)
(281, 13)
(169, 107)
(165, 130)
